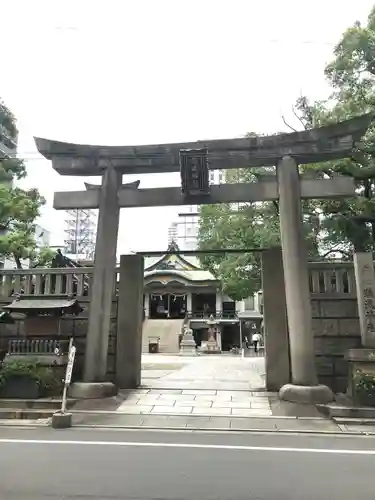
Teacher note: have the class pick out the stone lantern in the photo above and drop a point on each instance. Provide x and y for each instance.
(211, 346)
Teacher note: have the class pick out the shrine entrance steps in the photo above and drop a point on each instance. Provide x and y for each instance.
(166, 330)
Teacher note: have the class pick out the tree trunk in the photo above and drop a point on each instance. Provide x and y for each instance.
(18, 262)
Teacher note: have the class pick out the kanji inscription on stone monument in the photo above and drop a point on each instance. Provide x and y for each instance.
(365, 284)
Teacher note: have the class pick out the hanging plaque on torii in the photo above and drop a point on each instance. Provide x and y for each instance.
(194, 172)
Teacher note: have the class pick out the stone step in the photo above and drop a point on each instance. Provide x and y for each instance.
(338, 411)
(354, 421)
(25, 414)
(40, 404)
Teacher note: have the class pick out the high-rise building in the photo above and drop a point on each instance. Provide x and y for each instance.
(185, 230)
(172, 233)
(81, 234)
(216, 176)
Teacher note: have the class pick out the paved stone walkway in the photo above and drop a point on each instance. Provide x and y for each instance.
(203, 392)
(196, 402)
(210, 372)
(210, 385)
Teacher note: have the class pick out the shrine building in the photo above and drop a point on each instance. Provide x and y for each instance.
(178, 292)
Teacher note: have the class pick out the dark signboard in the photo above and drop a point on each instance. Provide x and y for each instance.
(194, 172)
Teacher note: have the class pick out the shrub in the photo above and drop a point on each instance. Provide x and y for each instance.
(364, 384)
(43, 375)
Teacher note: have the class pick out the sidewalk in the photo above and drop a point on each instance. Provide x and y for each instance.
(200, 393)
(203, 409)
(224, 393)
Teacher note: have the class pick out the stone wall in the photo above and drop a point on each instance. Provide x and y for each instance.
(75, 326)
(335, 320)
(336, 329)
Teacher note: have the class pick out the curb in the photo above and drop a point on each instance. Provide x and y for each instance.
(222, 430)
(354, 421)
(194, 415)
(32, 424)
(264, 393)
(22, 424)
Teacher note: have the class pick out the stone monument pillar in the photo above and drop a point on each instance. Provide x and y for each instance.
(365, 286)
(363, 359)
(304, 387)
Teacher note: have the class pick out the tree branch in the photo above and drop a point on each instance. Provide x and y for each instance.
(298, 118)
(287, 124)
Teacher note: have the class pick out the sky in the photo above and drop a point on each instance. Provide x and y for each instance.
(127, 72)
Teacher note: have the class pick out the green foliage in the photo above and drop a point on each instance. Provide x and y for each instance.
(42, 375)
(44, 257)
(333, 227)
(350, 222)
(8, 121)
(248, 226)
(18, 207)
(364, 386)
(11, 168)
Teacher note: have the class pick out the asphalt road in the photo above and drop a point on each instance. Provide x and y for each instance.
(78, 464)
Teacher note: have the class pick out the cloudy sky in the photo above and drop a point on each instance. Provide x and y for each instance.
(124, 72)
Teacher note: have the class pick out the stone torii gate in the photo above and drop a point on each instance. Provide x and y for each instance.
(286, 151)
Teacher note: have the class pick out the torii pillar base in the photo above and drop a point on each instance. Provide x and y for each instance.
(306, 394)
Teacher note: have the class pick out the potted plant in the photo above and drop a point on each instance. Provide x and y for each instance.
(364, 388)
(25, 380)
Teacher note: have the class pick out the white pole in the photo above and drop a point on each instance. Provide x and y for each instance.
(241, 342)
(66, 385)
(63, 404)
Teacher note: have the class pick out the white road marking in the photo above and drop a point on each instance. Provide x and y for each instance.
(189, 445)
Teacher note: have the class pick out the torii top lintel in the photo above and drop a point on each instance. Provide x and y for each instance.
(308, 146)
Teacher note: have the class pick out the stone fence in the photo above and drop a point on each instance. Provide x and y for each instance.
(326, 278)
(48, 282)
(54, 283)
(333, 294)
(335, 319)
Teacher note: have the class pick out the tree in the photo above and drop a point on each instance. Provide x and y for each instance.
(332, 226)
(19, 208)
(349, 223)
(44, 257)
(248, 226)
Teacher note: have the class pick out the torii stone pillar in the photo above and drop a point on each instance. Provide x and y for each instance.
(304, 387)
(102, 285)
